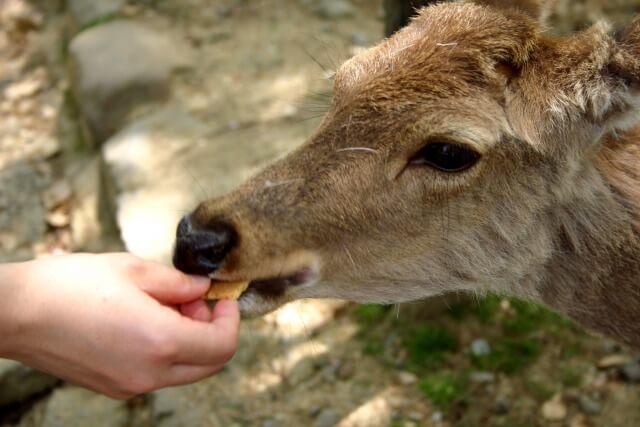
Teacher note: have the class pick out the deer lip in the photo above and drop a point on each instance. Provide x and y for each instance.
(277, 286)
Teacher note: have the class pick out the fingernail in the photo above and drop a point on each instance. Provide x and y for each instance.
(200, 281)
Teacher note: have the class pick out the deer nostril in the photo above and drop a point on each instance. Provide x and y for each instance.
(201, 252)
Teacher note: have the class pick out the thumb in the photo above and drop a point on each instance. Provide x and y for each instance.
(171, 286)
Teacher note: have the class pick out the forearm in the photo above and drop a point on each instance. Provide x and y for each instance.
(12, 311)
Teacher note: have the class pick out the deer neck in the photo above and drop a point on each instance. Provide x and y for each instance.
(594, 274)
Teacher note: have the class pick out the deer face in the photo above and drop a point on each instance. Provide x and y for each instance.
(427, 175)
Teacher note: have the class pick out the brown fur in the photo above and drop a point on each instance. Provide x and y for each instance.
(550, 212)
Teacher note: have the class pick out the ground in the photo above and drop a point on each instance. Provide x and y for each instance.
(259, 73)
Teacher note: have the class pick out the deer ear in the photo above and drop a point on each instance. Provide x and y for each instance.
(536, 9)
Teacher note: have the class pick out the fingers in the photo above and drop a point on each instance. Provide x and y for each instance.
(163, 283)
(210, 343)
(196, 310)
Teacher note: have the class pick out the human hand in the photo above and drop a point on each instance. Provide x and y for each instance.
(113, 323)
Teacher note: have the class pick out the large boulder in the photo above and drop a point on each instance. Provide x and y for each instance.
(120, 66)
(87, 12)
(160, 167)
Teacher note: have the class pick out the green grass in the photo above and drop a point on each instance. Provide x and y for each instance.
(571, 376)
(371, 314)
(443, 388)
(509, 355)
(428, 346)
(540, 391)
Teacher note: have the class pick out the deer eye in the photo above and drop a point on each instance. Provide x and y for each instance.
(445, 157)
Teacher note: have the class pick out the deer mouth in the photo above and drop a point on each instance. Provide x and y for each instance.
(276, 287)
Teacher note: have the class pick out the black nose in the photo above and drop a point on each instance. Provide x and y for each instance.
(201, 252)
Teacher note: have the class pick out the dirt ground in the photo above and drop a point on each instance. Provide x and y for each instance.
(264, 64)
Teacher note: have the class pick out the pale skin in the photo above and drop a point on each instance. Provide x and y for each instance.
(113, 323)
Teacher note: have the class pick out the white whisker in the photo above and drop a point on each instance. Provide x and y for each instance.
(270, 184)
(446, 44)
(368, 150)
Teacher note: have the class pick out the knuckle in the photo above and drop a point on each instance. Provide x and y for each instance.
(135, 267)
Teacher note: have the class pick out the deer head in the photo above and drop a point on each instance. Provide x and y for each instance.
(466, 152)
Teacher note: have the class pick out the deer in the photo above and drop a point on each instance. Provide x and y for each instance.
(470, 151)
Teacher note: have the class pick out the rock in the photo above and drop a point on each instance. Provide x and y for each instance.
(480, 348)
(59, 218)
(579, 421)
(93, 227)
(19, 15)
(139, 188)
(21, 210)
(77, 407)
(19, 382)
(588, 405)
(302, 371)
(59, 193)
(172, 407)
(482, 377)
(501, 406)
(35, 82)
(346, 370)
(631, 372)
(335, 9)
(359, 38)
(108, 94)
(554, 409)
(160, 167)
(407, 378)
(614, 361)
(437, 417)
(326, 418)
(86, 12)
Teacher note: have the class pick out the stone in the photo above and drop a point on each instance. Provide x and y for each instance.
(360, 38)
(21, 211)
(78, 407)
(407, 378)
(579, 421)
(172, 407)
(480, 348)
(482, 377)
(35, 82)
(501, 406)
(93, 227)
(160, 167)
(58, 218)
(19, 382)
(554, 409)
(19, 15)
(335, 9)
(614, 361)
(326, 418)
(631, 372)
(588, 405)
(59, 193)
(87, 12)
(301, 372)
(108, 94)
